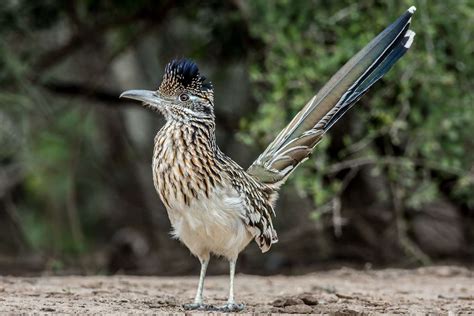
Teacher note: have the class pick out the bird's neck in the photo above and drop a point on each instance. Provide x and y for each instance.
(186, 162)
(188, 138)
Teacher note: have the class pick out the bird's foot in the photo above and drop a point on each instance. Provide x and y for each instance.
(230, 307)
(198, 306)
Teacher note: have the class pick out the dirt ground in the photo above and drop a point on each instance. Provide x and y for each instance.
(344, 291)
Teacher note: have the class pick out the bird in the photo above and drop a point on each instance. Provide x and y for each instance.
(215, 206)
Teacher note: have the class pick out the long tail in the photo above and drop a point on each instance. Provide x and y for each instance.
(296, 141)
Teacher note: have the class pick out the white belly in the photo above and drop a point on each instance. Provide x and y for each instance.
(211, 225)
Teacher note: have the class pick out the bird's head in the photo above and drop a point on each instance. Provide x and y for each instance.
(183, 93)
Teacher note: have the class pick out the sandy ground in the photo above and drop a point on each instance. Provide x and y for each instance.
(344, 291)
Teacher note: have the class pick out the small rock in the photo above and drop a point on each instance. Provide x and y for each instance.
(348, 312)
(279, 302)
(308, 299)
(297, 309)
(287, 301)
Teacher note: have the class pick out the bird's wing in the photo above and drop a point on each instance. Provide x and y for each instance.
(296, 141)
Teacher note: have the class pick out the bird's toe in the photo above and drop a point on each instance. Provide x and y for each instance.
(197, 306)
(230, 307)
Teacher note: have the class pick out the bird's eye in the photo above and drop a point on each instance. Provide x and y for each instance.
(184, 97)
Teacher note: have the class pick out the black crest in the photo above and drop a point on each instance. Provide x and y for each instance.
(185, 73)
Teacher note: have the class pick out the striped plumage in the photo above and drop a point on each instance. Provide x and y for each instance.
(188, 167)
(214, 205)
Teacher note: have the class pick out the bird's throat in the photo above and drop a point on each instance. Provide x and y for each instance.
(184, 162)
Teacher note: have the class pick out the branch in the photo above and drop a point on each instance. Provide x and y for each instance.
(84, 91)
(408, 246)
(111, 99)
(88, 34)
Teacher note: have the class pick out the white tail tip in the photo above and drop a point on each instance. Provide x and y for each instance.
(411, 36)
(412, 9)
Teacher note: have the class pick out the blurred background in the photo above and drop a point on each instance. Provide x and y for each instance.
(391, 185)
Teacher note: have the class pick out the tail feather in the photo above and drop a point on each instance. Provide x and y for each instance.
(296, 141)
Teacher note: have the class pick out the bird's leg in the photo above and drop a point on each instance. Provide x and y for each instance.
(198, 299)
(231, 306)
(231, 281)
(202, 276)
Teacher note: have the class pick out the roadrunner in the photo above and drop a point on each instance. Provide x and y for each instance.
(214, 205)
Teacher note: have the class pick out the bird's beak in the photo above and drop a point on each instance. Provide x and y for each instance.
(149, 97)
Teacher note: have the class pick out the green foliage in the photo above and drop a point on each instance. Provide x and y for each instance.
(47, 148)
(421, 116)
